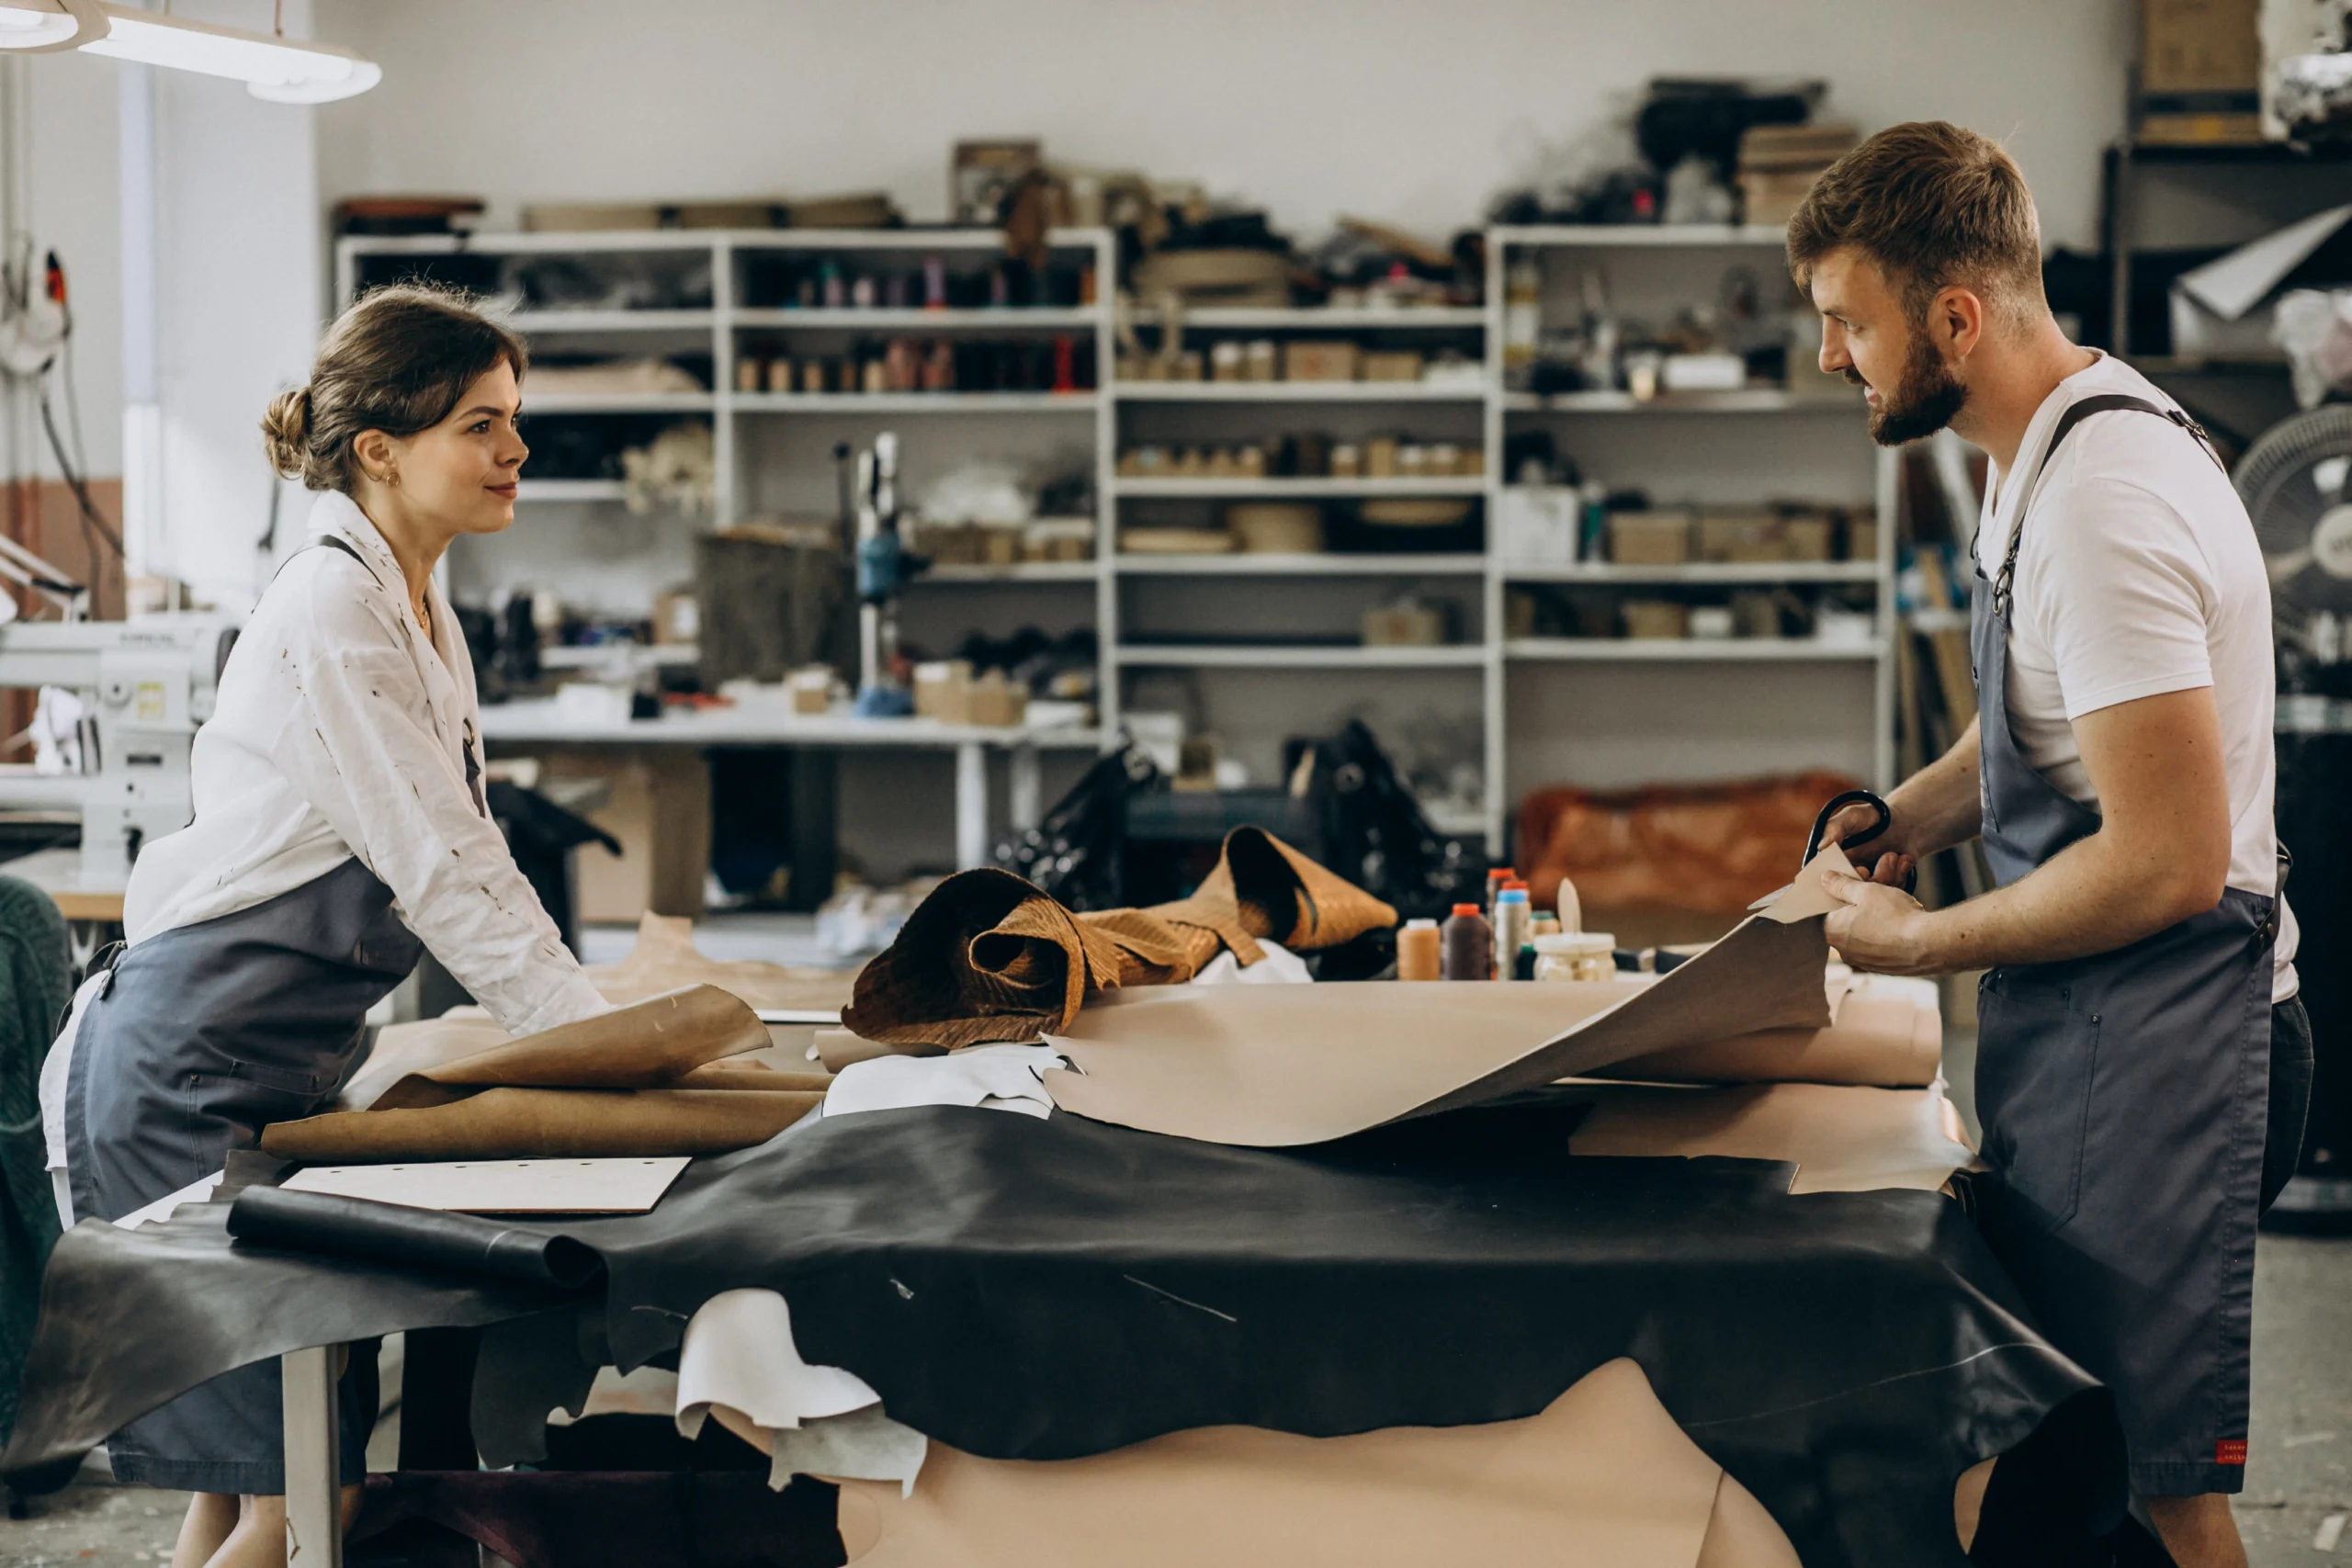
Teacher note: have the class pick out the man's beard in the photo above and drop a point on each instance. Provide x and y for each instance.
(1924, 402)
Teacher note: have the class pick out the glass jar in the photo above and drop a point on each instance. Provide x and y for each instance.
(1576, 955)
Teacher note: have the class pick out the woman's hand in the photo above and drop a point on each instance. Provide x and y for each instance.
(1888, 859)
(1879, 928)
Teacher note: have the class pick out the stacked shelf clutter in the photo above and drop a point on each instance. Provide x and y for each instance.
(1613, 673)
(1299, 497)
(787, 366)
(1294, 508)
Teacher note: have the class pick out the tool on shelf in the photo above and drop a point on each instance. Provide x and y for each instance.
(884, 565)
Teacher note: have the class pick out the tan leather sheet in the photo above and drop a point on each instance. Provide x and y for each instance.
(1842, 1139)
(546, 1123)
(1888, 1042)
(670, 1075)
(1274, 1066)
(665, 958)
(641, 1045)
(990, 957)
(1601, 1478)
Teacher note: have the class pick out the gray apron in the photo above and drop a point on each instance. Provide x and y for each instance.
(2123, 1098)
(202, 1036)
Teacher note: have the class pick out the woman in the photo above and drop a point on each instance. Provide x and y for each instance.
(340, 831)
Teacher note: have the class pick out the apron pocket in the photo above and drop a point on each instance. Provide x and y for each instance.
(2036, 1055)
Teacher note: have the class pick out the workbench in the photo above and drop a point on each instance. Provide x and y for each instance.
(541, 722)
(1041, 1290)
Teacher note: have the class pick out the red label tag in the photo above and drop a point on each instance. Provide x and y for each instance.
(2229, 1450)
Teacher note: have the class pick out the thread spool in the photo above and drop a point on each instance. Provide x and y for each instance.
(1420, 951)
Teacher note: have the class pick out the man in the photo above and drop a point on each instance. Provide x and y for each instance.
(2140, 1047)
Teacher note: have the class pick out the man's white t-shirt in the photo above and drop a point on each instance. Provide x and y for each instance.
(2139, 575)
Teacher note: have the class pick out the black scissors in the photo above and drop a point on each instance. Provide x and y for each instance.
(1838, 803)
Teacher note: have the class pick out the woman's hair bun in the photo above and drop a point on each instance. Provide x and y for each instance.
(286, 428)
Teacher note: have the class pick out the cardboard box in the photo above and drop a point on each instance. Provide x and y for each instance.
(1649, 538)
(1384, 365)
(941, 691)
(1404, 625)
(659, 807)
(2200, 46)
(1862, 536)
(1741, 537)
(992, 699)
(1319, 361)
(811, 689)
(1771, 196)
(1805, 538)
(1655, 619)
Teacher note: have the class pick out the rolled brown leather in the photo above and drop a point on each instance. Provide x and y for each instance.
(552, 1124)
(644, 1044)
(990, 957)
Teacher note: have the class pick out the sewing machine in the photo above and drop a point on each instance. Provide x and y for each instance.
(120, 702)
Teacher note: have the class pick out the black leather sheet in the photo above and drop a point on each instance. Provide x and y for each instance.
(1026, 1289)
(407, 1237)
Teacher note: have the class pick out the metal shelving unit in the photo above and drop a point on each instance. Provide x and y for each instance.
(1196, 656)
(1690, 650)
(1296, 489)
(1326, 565)
(1700, 661)
(749, 428)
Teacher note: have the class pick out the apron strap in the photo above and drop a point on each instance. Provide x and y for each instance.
(336, 542)
(2075, 413)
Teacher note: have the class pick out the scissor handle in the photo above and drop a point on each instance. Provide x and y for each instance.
(1838, 803)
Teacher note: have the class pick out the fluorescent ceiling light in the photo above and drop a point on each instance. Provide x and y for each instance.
(272, 66)
(29, 27)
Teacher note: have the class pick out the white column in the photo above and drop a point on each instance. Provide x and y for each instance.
(1027, 785)
(972, 806)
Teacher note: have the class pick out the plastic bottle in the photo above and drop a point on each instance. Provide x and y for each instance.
(1510, 930)
(1573, 955)
(1494, 880)
(1418, 952)
(1467, 944)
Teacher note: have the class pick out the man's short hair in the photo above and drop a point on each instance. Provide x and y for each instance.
(1931, 205)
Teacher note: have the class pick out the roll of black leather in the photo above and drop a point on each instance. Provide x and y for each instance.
(416, 1238)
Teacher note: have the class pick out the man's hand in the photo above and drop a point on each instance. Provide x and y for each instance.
(1894, 865)
(1934, 809)
(1879, 928)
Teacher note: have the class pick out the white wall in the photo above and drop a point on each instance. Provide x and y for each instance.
(1412, 112)
(240, 294)
(74, 213)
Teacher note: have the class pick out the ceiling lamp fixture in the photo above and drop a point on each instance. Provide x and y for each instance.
(272, 66)
(43, 27)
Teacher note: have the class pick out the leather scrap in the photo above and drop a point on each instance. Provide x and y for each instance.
(988, 957)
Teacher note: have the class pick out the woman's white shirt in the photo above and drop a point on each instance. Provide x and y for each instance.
(341, 730)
